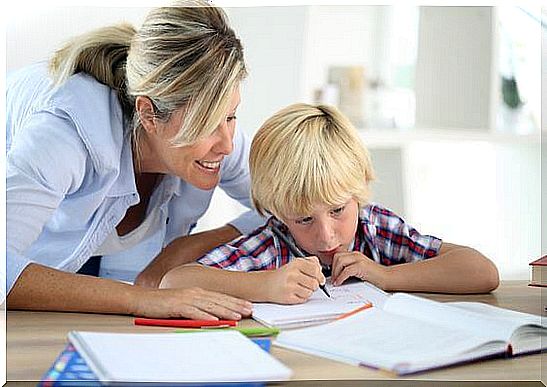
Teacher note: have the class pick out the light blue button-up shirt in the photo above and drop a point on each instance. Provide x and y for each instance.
(70, 176)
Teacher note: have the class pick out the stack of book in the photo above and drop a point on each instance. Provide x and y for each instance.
(538, 272)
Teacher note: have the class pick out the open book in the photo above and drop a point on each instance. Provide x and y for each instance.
(206, 357)
(409, 334)
(320, 308)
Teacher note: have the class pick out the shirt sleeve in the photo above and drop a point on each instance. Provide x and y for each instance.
(256, 251)
(236, 183)
(396, 241)
(46, 162)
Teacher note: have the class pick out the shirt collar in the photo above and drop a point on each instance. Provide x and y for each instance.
(125, 183)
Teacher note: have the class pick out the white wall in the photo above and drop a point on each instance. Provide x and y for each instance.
(33, 35)
(453, 70)
(544, 142)
(272, 38)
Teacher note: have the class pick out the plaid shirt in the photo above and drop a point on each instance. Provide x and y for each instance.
(381, 235)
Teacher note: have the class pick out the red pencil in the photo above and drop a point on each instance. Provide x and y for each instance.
(185, 323)
(354, 311)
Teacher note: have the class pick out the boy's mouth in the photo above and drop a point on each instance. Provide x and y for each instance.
(331, 251)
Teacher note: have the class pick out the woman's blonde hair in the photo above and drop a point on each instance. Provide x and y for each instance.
(185, 55)
(306, 155)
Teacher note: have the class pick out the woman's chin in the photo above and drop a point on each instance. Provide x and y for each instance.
(205, 184)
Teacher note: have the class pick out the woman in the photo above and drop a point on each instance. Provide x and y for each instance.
(115, 152)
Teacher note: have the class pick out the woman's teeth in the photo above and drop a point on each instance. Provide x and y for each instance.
(210, 164)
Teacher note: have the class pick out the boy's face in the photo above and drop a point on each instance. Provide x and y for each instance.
(326, 231)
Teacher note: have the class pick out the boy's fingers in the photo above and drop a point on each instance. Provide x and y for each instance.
(308, 282)
(340, 262)
(311, 266)
(303, 292)
(349, 271)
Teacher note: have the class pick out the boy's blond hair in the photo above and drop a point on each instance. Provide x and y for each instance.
(306, 155)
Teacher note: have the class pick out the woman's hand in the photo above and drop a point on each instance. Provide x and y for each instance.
(295, 282)
(194, 303)
(356, 264)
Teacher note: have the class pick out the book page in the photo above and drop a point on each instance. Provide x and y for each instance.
(381, 339)
(319, 307)
(531, 336)
(444, 314)
(497, 312)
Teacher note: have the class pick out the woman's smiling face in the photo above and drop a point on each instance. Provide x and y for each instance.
(198, 164)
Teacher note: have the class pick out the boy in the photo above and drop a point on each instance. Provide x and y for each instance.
(310, 171)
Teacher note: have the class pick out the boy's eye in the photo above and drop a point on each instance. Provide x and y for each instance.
(338, 211)
(306, 220)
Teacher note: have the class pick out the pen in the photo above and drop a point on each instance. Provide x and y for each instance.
(185, 323)
(251, 332)
(295, 250)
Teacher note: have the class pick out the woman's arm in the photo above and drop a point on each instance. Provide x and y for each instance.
(184, 250)
(43, 288)
(456, 269)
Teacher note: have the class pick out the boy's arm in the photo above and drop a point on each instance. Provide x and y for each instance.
(456, 269)
(293, 283)
(251, 286)
(184, 250)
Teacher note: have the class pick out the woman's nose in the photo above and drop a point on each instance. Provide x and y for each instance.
(225, 139)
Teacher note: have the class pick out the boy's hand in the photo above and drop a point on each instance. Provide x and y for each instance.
(356, 264)
(295, 282)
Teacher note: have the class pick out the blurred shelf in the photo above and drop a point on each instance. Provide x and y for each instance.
(380, 138)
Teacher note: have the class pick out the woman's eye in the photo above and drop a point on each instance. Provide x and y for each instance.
(338, 211)
(231, 118)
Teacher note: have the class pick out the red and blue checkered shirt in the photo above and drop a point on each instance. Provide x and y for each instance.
(381, 235)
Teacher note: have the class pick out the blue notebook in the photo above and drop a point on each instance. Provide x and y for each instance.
(70, 369)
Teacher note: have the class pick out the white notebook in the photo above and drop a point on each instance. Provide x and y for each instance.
(219, 356)
(410, 334)
(320, 308)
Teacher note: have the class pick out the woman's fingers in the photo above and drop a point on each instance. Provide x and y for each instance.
(193, 303)
(243, 307)
(215, 309)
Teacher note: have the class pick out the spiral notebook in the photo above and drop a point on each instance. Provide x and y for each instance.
(70, 369)
(320, 308)
(165, 358)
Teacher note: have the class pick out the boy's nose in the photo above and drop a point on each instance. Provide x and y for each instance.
(326, 237)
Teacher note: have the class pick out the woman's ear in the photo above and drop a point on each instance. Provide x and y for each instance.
(145, 110)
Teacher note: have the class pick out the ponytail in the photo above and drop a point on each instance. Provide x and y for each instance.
(101, 53)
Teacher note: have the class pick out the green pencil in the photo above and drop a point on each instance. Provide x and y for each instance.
(250, 332)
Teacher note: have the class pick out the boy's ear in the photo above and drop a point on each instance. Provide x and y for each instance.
(145, 110)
